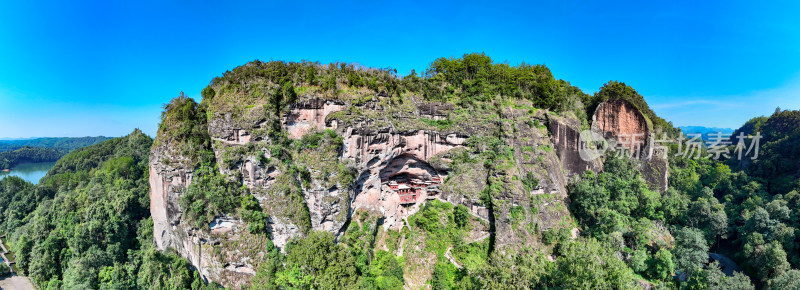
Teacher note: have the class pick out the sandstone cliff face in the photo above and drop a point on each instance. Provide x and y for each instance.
(384, 156)
(618, 120)
(626, 127)
(567, 138)
(309, 115)
(520, 213)
(169, 176)
(532, 177)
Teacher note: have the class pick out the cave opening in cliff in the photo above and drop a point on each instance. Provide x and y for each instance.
(411, 179)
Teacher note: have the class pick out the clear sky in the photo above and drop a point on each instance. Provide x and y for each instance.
(106, 67)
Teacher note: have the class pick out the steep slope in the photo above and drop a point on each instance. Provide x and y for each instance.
(316, 146)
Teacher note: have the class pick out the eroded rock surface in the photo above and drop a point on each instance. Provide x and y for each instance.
(382, 156)
(169, 177)
(626, 127)
(309, 115)
(567, 139)
(542, 148)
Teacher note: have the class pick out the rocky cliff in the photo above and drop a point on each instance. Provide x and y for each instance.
(631, 133)
(313, 162)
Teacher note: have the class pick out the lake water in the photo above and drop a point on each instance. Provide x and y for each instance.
(31, 172)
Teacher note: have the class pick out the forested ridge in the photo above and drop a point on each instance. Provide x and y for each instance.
(87, 224)
(67, 143)
(13, 152)
(29, 154)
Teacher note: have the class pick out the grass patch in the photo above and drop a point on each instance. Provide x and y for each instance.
(439, 124)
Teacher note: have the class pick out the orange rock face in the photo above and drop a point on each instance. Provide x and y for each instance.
(625, 127)
(619, 120)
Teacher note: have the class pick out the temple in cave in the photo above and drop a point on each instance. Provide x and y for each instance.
(411, 189)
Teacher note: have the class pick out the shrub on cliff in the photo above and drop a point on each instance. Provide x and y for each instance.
(211, 195)
(184, 125)
(619, 189)
(328, 265)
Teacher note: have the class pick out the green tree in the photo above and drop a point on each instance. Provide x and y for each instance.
(266, 276)
(328, 264)
(637, 260)
(587, 265)
(442, 276)
(714, 278)
(769, 261)
(786, 280)
(461, 215)
(385, 272)
(691, 250)
(524, 269)
(661, 265)
(708, 214)
(289, 92)
(4, 270)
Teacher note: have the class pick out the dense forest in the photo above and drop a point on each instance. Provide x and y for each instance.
(13, 152)
(87, 224)
(68, 143)
(29, 154)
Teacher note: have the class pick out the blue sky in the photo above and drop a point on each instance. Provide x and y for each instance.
(106, 67)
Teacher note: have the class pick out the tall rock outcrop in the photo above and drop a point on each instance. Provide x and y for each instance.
(170, 175)
(623, 124)
(312, 164)
(631, 133)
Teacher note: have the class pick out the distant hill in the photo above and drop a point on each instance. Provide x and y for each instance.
(705, 131)
(65, 143)
(13, 152)
(778, 162)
